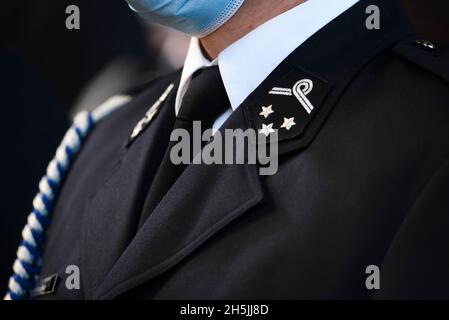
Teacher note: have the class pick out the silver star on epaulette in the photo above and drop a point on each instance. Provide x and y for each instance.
(266, 111)
(288, 123)
(266, 129)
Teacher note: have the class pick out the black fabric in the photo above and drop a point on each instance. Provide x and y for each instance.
(364, 183)
(204, 101)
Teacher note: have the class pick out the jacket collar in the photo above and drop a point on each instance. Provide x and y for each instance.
(330, 59)
(249, 60)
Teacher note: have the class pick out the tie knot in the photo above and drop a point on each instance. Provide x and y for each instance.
(205, 99)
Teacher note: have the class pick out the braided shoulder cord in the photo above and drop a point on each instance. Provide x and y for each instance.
(29, 254)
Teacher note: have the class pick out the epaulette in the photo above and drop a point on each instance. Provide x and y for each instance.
(429, 55)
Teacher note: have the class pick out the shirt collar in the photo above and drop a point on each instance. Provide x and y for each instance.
(245, 64)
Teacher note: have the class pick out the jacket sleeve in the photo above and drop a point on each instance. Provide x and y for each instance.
(416, 265)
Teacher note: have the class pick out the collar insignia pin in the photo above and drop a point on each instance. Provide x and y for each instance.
(300, 90)
(270, 108)
(149, 115)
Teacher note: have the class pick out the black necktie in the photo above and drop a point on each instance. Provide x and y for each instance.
(205, 100)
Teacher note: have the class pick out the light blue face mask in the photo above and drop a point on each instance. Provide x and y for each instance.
(195, 17)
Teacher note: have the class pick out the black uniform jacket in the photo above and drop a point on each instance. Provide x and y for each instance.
(363, 180)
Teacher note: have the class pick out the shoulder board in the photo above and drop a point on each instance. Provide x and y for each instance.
(429, 55)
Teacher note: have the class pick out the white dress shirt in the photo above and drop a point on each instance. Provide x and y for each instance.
(246, 63)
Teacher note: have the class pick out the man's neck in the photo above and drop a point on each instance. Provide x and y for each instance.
(251, 15)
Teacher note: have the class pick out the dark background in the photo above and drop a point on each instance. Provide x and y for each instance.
(46, 70)
(429, 17)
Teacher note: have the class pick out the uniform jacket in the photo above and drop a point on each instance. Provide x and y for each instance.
(363, 180)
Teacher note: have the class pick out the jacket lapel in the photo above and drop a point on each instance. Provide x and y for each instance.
(206, 198)
(112, 211)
